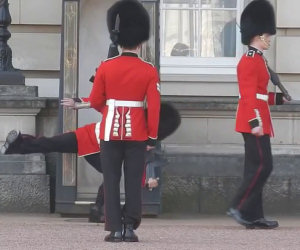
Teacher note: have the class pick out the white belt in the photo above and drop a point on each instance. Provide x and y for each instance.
(260, 97)
(112, 103)
(130, 104)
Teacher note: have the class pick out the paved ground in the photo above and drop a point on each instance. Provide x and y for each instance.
(36, 231)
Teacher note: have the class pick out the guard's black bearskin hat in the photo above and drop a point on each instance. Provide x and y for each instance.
(169, 120)
(257, 18)
(134, 23)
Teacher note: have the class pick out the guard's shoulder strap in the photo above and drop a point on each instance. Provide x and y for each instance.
(250, 53)
(146, 62)
(111, 58)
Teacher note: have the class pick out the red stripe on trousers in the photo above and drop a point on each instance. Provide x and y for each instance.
(250, 187)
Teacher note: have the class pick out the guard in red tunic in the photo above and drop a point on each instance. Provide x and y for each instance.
(253, 119)
(85, 142)
(122, 86)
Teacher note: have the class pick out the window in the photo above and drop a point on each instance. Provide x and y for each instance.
(200, 36)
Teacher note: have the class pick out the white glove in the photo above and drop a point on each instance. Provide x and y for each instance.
(68, 103)
(152, 183)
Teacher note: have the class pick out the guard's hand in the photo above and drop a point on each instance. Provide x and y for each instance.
(284, 100)
(257, 131)
(152, 183)
(68, 103)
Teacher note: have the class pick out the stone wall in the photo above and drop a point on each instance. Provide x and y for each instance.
(206, 183)
(24, 185)
(35, 42)
(206, 158)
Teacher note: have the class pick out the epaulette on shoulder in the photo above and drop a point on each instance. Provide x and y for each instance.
(250, 53)
(111, 58)
(146, 62)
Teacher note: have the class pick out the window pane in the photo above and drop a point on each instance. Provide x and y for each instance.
(186, 2)
(208, 33)
(218, 34)
(180, 33)
(218, 3)
(181, 5)
(205, 3)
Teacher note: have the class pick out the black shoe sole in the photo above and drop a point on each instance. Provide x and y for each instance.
(130, 240)
(113, 240)
(260, 227)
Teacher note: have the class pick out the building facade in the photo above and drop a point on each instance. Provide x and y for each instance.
(199, 49)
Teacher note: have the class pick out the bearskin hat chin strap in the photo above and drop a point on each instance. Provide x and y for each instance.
(114, 36)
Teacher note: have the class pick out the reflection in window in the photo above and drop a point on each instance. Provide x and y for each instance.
(206, 28)
(148, 48)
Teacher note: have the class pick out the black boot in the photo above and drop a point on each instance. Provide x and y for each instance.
(96, 214)
(96, 210)
(11, 145)
(236, 215)
(262, 223)
(129, 235)
(114, 236)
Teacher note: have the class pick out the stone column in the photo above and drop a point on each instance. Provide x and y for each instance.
(19, 106)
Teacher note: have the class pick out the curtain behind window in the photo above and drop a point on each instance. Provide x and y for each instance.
(199, 28)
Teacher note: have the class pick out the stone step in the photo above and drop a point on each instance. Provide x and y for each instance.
(213, 195)
(226, 148)
(226, 160)
(18, 90)
(18, 104)
(24, 193)
(22, 164)
(205, 178)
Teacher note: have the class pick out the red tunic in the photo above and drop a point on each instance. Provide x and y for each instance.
(88, 139)
(127, 78)
(253, 78)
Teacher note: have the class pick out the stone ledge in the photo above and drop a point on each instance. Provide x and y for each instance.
(22, 164)
(222, 163)
(22, 102)
(19, 157)
(225, 148)
(212, 195)
(212, 103)
(12, 78)
(202, 180)
(18, 90)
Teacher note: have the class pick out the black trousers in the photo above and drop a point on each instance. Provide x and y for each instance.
(130, 154)
(258, 167)
(63, 143)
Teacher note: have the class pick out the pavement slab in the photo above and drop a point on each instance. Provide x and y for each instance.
(178, 232)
